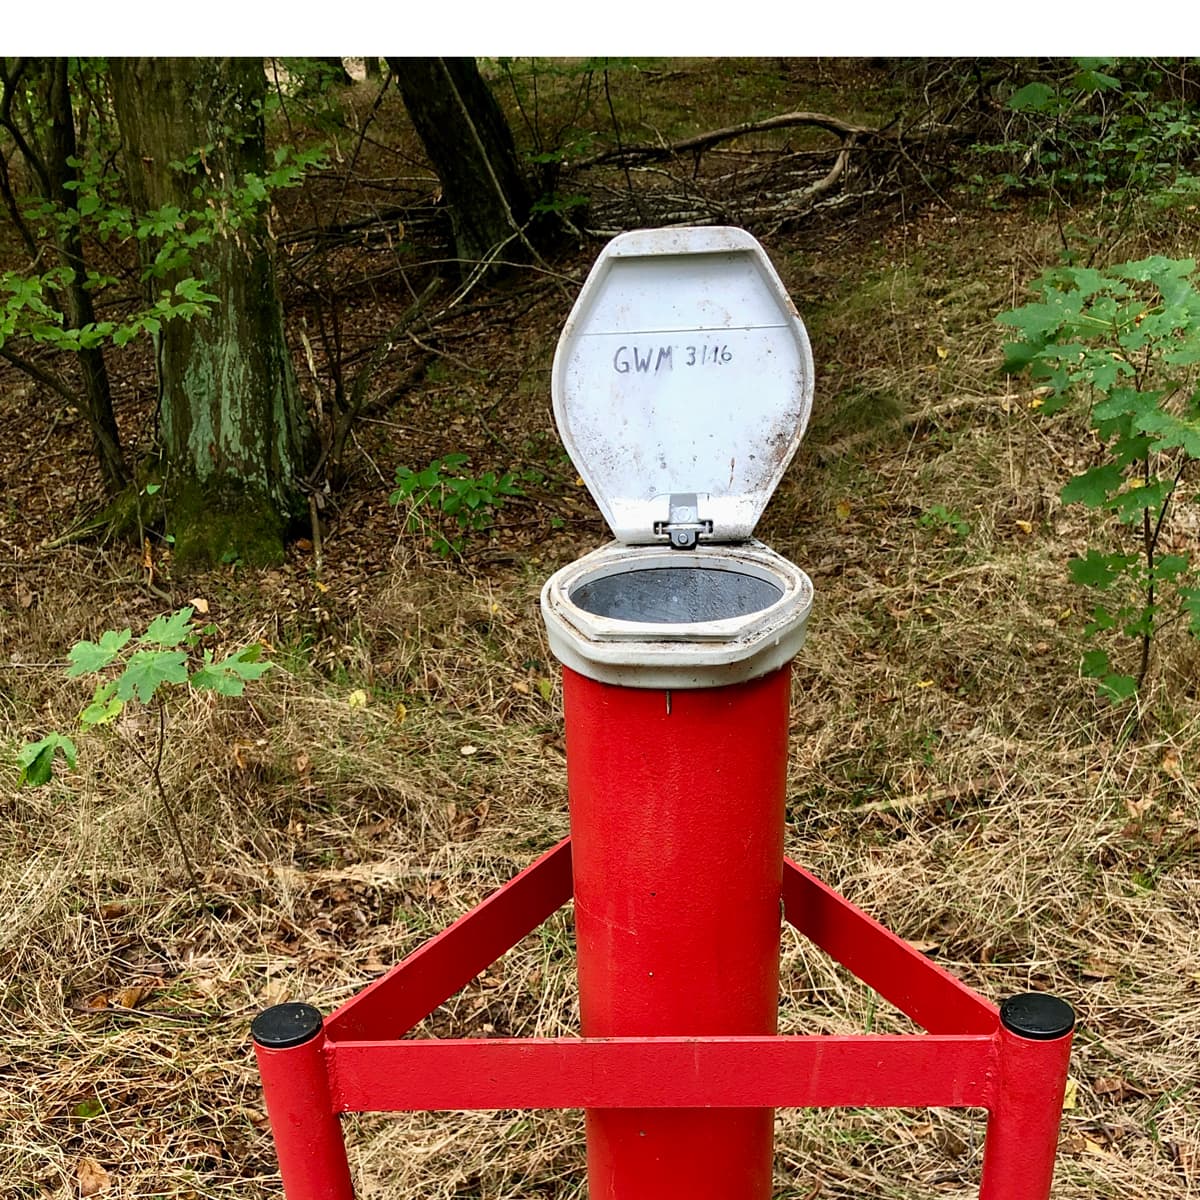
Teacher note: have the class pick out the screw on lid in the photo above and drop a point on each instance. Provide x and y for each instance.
(283, 1026)
(1037, 1016)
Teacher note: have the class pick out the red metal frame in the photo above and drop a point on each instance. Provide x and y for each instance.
(967, 1058)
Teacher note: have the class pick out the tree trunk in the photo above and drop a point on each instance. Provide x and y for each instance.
(49, 148)
(233, 428)
(471, 148)
(63, 176)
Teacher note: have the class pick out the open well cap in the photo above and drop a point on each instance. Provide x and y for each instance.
(682, 384)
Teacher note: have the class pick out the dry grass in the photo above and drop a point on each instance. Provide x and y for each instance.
(950, 773)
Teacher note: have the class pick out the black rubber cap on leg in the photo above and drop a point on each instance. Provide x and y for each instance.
(285, 1025)
(1037, 1016)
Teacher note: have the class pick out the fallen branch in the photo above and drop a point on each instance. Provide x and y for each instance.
(701, 141)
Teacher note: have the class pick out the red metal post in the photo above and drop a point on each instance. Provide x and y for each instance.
(1022, 1132)
(289, 1041)
(677, 814)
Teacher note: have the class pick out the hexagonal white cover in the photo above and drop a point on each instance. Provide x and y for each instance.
(682, 369)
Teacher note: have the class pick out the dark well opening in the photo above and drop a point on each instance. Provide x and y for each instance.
(675, 595)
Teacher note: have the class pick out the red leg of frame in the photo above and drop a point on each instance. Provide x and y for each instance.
(1022, 1131)
(289, 1040)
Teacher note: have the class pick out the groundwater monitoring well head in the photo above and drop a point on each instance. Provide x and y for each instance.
(682, 386)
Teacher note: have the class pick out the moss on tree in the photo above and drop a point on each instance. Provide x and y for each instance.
(223, 521)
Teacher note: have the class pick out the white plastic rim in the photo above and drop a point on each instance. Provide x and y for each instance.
(683, 369)
(678, 654)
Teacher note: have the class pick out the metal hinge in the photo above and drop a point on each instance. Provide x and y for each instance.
(684, 527)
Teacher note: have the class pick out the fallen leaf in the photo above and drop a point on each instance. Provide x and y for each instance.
(357, 698)
(842, 509)
(92, 1177)
(925, 683)
(113, 909)
(1025, 526)
(1138, 807)
(1071, 1093)
(303, 763)
(199, 604)
(942, 352)
(1171, 765)
(521, 687)
(925, 947)
(24, 596)
(467, 751)
(129, 996)
(303, 545)
(400, 712)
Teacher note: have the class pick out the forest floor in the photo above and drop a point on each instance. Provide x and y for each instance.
(950, 771)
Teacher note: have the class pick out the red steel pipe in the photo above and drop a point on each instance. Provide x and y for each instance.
(1026, 1108)
(677, 815)
(876, 1070)
(289, 1042)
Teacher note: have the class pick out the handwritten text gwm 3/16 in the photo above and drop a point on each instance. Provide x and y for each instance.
(649, 360)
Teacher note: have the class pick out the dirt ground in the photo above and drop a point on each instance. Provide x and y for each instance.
(950, 770)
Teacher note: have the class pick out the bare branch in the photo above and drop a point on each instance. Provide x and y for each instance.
(701, 141)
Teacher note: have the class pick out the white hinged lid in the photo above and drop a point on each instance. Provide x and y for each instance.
(682, 384)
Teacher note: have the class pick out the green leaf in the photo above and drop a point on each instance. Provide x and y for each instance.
(1033, 97)
(1117, 687)
(1100, 570)
(1036, 322)
(1089, 80)
(36, 759)
(147, 670)
(86, 657)
(1170, 430)
(1170, 566)
(1156, 269)
(1189, 601)
(1095, 663)
(229, 677)
(1094, 486)
(167, 632)
(1129, 504)
(104, 705)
